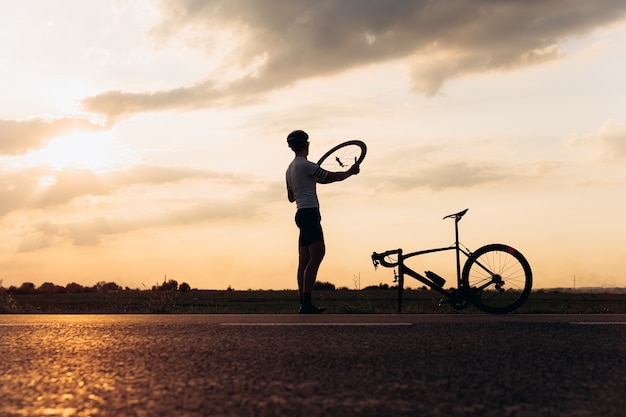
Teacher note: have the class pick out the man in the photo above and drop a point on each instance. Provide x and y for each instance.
(302, 177)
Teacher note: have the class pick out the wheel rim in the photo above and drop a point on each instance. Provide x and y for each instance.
(500, 278)
(343, 156)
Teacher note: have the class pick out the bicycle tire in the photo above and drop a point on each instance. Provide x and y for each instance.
(341, 157)
(499, 277)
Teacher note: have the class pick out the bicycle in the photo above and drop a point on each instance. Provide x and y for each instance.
(496, 278)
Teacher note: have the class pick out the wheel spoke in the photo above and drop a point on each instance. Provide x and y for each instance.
(343, 156)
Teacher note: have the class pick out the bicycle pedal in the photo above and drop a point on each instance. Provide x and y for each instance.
(435, 278)
(444, 301)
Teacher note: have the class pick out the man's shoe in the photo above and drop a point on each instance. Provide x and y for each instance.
(311, 309)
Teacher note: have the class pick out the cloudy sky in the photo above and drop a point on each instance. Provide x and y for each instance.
(143, 139)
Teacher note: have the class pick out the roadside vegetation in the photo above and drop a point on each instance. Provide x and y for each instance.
(173, 298)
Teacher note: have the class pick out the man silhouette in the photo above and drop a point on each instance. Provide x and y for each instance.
(302, 176)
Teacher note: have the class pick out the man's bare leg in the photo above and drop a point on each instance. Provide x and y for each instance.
(303, 261)
(317, 251)
(316, 255)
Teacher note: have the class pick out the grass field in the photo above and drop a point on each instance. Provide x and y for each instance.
(375, 301)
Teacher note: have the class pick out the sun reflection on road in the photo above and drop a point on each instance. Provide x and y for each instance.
(76, 355)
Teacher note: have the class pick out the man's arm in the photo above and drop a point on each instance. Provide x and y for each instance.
(340, 176)
(290, 195)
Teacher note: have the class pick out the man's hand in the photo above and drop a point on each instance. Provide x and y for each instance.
(355, 169)
(342, 175)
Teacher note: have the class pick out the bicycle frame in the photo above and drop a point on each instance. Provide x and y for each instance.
(403, 269)
(496, 278)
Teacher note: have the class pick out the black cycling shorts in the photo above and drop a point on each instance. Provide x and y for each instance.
(309, 223)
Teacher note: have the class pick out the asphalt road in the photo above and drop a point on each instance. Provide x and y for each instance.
(328, 365)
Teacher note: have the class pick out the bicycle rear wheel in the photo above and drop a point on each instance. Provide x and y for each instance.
(341, 157)
(499, 278)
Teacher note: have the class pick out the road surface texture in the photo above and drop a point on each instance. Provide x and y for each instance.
(328, 365)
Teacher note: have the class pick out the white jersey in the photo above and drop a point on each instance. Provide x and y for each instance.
(302, 177)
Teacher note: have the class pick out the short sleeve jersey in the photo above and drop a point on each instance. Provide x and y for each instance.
(302, 177)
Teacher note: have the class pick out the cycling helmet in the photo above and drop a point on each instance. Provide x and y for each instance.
(297, 140)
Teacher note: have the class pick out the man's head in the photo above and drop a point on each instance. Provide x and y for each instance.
(298, 140)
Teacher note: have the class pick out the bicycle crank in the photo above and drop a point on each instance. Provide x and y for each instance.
(457, 300)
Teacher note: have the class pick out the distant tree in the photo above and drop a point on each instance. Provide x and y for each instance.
(380, 286)
(26, 288)
(324, 286)
(91, 289)
(50, 288)
(168, 285)
(103, 286)
(184, 287)
(74, 288)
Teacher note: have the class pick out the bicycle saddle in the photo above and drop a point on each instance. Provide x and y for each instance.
(457, 216)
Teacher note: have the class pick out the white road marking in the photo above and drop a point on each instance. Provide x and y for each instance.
(316, 324)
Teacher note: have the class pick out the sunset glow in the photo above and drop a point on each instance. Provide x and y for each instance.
(143, 138)
(94, 151)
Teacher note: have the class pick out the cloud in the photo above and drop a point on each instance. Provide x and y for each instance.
(22, 189)
(430, 73)
(612, 138)
(20, 136)
(443, 176)
(90, 231)
(64, 199)
(607, 144)
(460, 174)
(273, 44)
